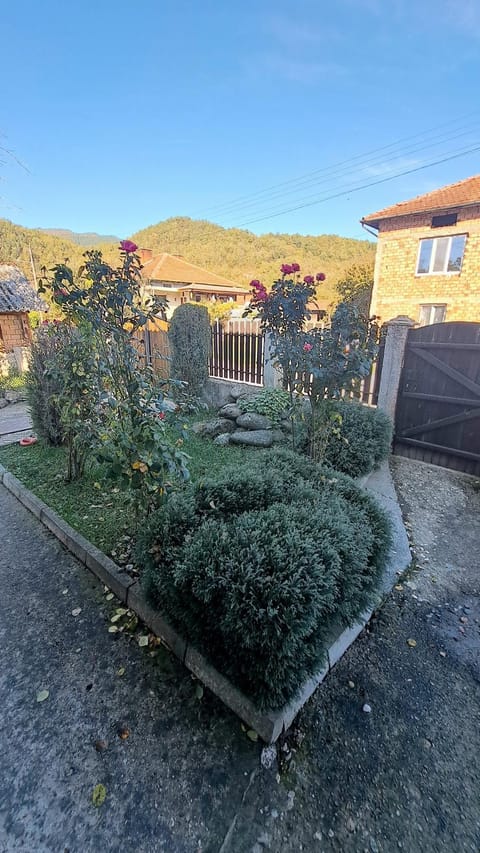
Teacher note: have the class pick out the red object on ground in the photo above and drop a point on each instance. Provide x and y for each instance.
(26, 442)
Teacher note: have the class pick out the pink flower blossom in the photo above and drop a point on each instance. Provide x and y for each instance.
(261, 295)
(256, 284)
(307, 347)
(161, 416)
(295, 267)
(286, 269)
(128, 246)
(309, 279)
(320, 276)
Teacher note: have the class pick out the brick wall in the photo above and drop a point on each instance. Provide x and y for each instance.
(397, 288)
(14, 331)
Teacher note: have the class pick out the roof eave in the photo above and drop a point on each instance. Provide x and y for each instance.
(374, 222)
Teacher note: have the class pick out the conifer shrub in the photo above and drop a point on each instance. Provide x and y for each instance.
(361, 441)
(190, 336)
(255, 566)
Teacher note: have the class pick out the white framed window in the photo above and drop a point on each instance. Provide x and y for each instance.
(430, 314)
(441, 255)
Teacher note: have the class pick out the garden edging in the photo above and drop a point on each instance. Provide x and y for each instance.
(269, 724)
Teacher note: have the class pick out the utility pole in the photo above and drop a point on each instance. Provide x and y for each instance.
(32, 262)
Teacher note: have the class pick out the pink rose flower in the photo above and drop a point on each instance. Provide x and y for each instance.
(295, 267)
(255, 283)
(286, 269)
(309, 279)
(128, 246)
(307, 347)
(320, 276)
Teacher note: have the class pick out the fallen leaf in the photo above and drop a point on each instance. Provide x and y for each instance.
(64, 591)
(351, 684)
(143, 640)
(411, 643)
(120, 611)
(116, 617)
(109, 596)
(252, 735)
(199, 691)
(398, 587)
(443, 654)
(42, 695)
(367, 709)
(121, 671)
(113, 629)
(101, 745)
(76, 611)
(98, 795)
(123, 732)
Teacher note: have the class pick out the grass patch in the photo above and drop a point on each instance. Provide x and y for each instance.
(100, 514)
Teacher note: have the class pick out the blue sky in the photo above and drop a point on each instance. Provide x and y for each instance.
(128, 114)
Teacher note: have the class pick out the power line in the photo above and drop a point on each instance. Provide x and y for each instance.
(310, 175)
(362, 187)
(337, 175)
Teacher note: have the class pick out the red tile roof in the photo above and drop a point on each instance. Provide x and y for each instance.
(461, 194)
(173, 269)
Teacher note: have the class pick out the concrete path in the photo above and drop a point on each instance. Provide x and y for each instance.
(404, 776)
(15, 423)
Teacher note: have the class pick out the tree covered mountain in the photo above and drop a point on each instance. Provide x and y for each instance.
(239, 255)
(85, 238)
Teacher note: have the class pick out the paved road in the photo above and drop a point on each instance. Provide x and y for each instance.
(405, 776)
(15, 423)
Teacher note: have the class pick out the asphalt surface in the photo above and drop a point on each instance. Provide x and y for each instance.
(403, 776)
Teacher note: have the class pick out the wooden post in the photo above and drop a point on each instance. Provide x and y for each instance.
(395, 342)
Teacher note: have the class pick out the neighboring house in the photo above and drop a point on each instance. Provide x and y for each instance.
(428, 256)
(17, 298)
(179, 281)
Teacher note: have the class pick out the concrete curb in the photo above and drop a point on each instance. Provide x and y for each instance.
(268, 724)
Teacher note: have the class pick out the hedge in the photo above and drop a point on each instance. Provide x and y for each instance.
(255, 566)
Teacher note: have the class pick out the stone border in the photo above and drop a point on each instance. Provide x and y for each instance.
(268, 724)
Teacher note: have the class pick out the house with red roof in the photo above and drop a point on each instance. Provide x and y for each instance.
(179, 281)
(428, 256)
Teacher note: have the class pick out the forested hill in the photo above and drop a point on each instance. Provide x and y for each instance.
(47, 249)
(238, 255)
(241, 255)
(86, 238)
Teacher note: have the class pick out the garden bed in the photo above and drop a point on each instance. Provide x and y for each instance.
(268, 724)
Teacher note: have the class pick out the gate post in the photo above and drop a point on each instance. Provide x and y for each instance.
(272, 376)
(395, 342)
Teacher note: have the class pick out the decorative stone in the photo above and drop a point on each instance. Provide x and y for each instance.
(223, 439)
(278, 435)
(250, 420)
(286, 425)
(218, 426)
(230, 411)
(253, 437)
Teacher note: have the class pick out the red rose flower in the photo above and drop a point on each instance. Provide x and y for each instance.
(128, 246)
(320, 276)
(295, 267)
(309, 279)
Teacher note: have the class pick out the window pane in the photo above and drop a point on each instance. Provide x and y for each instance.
(456, 254)
(425, 255)
(425, 311)
(440, 259)
(439, 312)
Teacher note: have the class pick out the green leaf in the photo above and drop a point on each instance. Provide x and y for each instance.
(98, 795)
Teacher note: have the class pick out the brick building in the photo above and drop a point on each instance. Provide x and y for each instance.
(17, 298)
(428, 256)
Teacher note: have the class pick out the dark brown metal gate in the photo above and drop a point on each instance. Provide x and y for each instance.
(438, 409)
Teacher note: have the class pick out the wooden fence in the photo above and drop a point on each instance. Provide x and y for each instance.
(237, 355)
(154, 349)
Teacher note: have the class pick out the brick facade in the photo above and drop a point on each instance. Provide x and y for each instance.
(399, 290)
(14, 331)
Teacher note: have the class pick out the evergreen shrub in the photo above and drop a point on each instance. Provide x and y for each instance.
(362, 440)
(190, 336)
(255, 566)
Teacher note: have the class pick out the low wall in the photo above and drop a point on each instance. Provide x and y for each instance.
(217, 392)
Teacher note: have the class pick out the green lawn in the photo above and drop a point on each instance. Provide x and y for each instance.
(93, 506)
